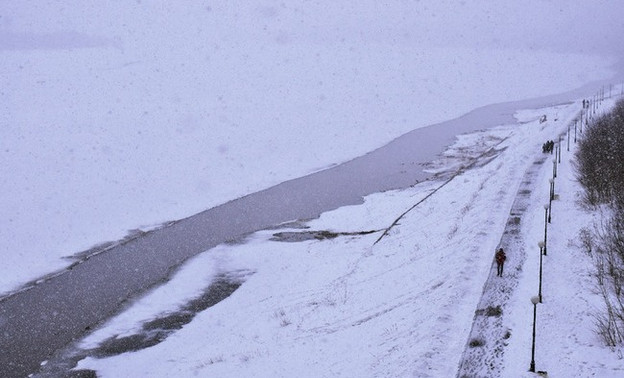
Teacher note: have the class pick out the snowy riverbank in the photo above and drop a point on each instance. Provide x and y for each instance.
(403, 306)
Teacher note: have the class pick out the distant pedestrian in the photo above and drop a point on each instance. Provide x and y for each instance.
(500, 262)
(548, 147)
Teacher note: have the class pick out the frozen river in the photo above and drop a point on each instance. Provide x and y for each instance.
(46, 317)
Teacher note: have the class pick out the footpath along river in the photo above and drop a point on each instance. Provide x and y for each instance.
(37, 321)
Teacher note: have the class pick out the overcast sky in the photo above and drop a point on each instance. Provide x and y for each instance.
(558, 25)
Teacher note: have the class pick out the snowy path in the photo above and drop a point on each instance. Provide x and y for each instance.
(487, 337)
(489, 334)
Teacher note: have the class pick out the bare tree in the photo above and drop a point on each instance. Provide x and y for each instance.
(600, 170)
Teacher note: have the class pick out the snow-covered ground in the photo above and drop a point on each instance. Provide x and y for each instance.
(118, 116)
(402, 307)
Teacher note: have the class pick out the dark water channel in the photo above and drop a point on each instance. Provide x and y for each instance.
(36, 322)
(150, 333)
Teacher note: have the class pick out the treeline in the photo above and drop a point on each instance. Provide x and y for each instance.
(600, 159)
(600, 170)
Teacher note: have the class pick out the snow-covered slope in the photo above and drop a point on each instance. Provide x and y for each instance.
(404, 306)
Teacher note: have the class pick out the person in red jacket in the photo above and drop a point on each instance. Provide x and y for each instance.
(500, 262)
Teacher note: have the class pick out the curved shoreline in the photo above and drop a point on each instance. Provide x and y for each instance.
(47, 316)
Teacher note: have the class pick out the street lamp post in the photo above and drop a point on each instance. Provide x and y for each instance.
(541, 247)
(551, 195)
(549, 212)
(568, 137)
(575, 128)
(556, 150)
(535, 301)
(554, 168)
(559, 143)
(545, 228)
(582, 111)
